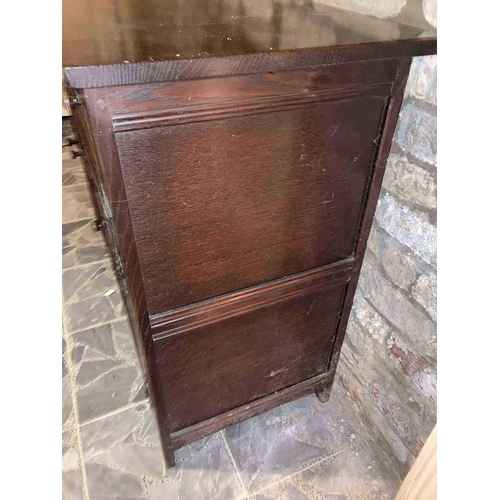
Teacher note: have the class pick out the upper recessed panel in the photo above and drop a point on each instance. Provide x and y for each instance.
(224, 204)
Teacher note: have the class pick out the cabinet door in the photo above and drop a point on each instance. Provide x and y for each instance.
(237, 199)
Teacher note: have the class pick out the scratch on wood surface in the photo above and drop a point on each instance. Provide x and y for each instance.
(327, 201)
(334, 131)
(142, 159)
(311, 306)
(274, 373)
(356, 158)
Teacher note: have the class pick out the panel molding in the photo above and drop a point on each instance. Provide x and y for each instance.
(258, 105)
(226, 306)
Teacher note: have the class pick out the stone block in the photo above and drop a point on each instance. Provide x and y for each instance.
(416, 133)
(430, 11)
(370, 320)
(409, 228)
(399, 266)
(409, 377)
(381, 8)
(415, 369)
(422, 81)
(375, 240)
(410, 182)
(425, 293)
(387, 437)
(403, 420)
(396, 307)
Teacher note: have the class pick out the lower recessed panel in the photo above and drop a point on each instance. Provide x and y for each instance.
(218, 367)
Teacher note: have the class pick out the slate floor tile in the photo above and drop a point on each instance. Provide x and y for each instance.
(72, 484)
(360, 472)
(81, 245)
(73, 175)
(91, 312)
(282, 491)
(106, 394)
(72, 479)
(108, 375)
(77, 203)
(204, 471)
(125, 447)
(98, 342)
(105, 483)
(285, 440)
(67, 402)
(119, 442)
(209, 475)
(91, 296)
(93, 280)
(328, 425)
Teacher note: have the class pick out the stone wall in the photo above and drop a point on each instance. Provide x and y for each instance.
(420, 13)
(388, 362)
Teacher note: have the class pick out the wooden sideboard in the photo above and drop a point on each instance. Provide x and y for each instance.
(235, 161)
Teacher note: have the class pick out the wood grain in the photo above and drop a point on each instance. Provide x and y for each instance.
(165, 71)
(218, 367)
(207, 222)
(207, 427)
(117, 42)
(236, 303)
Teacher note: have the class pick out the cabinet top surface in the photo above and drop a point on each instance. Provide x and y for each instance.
(153, 35)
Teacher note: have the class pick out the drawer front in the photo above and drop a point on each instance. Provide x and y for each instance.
(216, 368)
(225, 203)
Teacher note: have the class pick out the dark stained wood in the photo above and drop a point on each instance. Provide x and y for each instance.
(219, 367)
(236, 303)
(190, 434)
(132, 105)
(114, 75)
(369, 212)
(247, 223)
(237, 185)
(102, 159)
(120, 42)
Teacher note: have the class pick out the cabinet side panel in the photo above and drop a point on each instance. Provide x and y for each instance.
(119, 226)
(116, 217)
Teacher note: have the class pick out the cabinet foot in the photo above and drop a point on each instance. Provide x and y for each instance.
(324, 393)
(169, 458)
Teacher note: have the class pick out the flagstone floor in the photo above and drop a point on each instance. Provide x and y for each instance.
(110, 446)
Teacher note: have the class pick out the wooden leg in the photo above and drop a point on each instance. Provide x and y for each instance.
(169, 457)
(324, 393)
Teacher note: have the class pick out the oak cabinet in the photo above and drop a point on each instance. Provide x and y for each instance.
(236, 193)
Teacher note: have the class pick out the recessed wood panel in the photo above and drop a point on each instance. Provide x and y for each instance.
(213, 369)
(221, 205)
